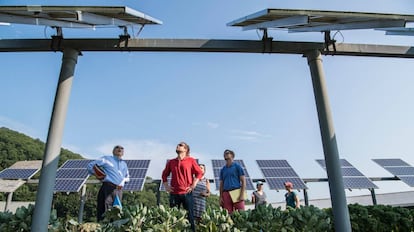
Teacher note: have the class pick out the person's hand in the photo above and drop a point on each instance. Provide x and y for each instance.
(168, 188)
(189, 189)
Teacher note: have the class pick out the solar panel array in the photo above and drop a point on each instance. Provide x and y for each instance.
(352, 178)
(71, 176)
(137, 172)
(398, 168)
(219, 164)
(277, 172)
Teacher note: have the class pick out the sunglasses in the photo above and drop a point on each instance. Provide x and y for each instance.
(181, 145)
(119, 147)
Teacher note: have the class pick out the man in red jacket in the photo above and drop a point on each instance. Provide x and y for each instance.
(185, 174)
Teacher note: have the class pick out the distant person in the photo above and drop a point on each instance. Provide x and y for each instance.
(113, 172)
(259, 196)
(292, 198)
(200, 193)
(232, 180)
(185, 174)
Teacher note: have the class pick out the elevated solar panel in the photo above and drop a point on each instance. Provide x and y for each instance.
(75, 16)
(297, 20)
(219, 164)
(14, 174)
(137, 173)
(71, 176)
(398, 168)
(21, 170)
(352, 177)
(277, 172)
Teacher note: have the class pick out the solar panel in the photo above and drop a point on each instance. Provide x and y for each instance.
(391, 162)
(319, 21)
(69, 185)
(398, 168)
(137, 163)
(219, 164)
(71, 175)
(137, 172)
(76, 163)
(277, 172)
(15, 174)
(358, 183)
(134, 184)
(352, 177)
(67, 173)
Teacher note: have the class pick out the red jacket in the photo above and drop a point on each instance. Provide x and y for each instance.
(182, 172)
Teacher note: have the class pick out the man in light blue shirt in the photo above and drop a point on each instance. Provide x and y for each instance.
(113, 172)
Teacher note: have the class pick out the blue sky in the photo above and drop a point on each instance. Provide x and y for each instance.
(259, 105)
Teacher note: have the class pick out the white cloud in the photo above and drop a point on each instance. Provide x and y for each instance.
(212, 125)
(248, 135)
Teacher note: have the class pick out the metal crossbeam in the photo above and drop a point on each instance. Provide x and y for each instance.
(203, 45)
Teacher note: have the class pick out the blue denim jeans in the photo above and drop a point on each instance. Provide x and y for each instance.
(176, 200)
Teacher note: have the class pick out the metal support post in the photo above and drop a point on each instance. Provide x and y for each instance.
(82, 204)
(47, 178)
(374, 198)
(333, 167)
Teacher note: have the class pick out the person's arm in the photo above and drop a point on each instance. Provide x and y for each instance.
(253, 198)
(208, 187)
(165, 173)
(242, 188)
(297, 200)
(221, 193)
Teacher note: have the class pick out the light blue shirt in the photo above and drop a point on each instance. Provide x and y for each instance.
(116, 169)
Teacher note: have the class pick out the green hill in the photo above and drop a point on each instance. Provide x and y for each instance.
(15, 146)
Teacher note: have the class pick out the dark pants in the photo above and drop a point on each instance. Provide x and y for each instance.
(176, 200)
(106, 196)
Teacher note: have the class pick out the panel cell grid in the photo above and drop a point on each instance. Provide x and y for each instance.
(68, 185)
(398, 168)
(281, 172)
(277, 172)
(67, 173)
(409, 180)
(351, 172)
(137, 163)
(273, 163)
(401, 171)
(15, 174)
(352, 177)
(135, 184)
(358, 183)
(76, 164)
(391, 162)
(137, 173)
